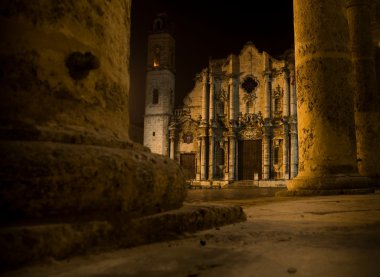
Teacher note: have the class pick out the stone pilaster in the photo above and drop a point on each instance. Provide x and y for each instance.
(293, 96)
(266, 151)
(211, 154)
(268, 93)
(205, 97)
(366, 97)
(226, 159)
(232, 158)
(233, 97)
(198, 157)
(203, 158)
(212, 98)
(293, 127)
(327, 149)
(285, 151)
(293, 148)
(286, 97)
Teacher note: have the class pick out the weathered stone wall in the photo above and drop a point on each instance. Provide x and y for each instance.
(64, 115)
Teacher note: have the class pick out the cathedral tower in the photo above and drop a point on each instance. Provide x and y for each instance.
(160, 82)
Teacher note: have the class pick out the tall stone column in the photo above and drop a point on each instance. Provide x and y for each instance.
(64, 116)
(198, 157)
(211, 133)
(266, 151)
(204, 97)
(232, 99)
(285, 151)
(366, 96)
(293, 128)
(268, 92)
(212, 98)
(294, 150)
(232, 158)
(327, 148)
(211, 154)
(286, 98)
(226, 158)
(172, 147)
(203, 158)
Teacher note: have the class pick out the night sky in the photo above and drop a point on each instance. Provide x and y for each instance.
(204, 29)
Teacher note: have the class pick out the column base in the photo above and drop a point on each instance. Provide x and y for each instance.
(328, 185)
(51, 180)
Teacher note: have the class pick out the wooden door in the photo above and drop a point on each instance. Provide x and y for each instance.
(187, 162)
(250, 159)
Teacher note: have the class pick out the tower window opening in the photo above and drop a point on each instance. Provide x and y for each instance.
(154, 134)
(155, 96)
(156, 59)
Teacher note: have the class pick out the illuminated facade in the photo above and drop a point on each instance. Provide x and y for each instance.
(238, 123)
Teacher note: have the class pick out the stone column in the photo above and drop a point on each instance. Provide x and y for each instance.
(212, 98)
(232, 158)
(286, 98)
(293, 128)
(226, 155)
(266, 151)
(204, 97)
(64, 121)
(198, 157)
(285, 151)
(211, 133)
(366, 97)
(268, 92)
(294, 150)
(203, 158)
(293, 95)
(172, 153)
(327, 160)
(211, 154)
(232, 99)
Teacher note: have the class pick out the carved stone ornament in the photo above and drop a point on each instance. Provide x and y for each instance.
(222, 95)
(251, 126)
(251, 133)
(278, 92)
(188, 137)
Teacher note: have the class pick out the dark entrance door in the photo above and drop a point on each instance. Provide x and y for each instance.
(250, 159)
(187, 162)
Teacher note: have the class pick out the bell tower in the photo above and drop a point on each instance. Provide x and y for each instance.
(160, 82)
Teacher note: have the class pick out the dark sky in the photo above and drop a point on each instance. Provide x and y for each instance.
(203, 29)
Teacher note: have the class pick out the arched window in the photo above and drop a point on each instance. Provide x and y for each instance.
(155, 96)
(157, 26)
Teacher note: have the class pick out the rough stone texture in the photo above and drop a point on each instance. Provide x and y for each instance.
(366, 97)
(29, 244)
(320, 236)
(77, 180)
(64, 116)
(327, 148)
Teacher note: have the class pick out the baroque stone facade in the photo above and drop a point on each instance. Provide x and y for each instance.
(238, 123)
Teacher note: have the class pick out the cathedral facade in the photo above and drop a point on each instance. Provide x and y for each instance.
(238, 123)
